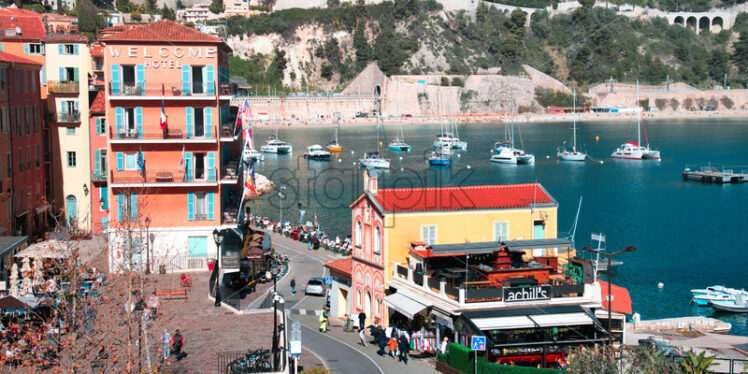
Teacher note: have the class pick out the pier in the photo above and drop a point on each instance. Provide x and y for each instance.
(709, 174)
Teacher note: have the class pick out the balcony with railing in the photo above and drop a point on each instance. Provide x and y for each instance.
(165, 177)
(99, 176)
(227, 89)
(176, 90)
(63, 87)
(230, 171)
(494, 276)
(64, 117)
(154, 134)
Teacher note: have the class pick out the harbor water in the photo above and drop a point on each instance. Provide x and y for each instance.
(688, 234)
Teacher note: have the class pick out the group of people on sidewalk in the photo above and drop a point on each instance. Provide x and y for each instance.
(391, 338)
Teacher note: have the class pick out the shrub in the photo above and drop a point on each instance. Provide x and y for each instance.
(727, 102)
(445, 81)
(457, 82)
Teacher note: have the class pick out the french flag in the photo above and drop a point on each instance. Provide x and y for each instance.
(163, 117)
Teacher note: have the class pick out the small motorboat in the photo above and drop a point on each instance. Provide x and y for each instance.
(439, 160)
(316, 152)
(334, 146)
(250, 153)
(399, 145)
(739, 305)
(702, 297)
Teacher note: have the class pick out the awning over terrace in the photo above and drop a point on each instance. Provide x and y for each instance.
(527, 318)
(403, 304)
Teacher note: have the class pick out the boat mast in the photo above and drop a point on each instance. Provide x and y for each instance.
(379, 115)
(574, 147)
(638, 118)
(511, 106)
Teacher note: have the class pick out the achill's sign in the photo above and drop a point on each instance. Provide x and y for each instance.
(512, 294)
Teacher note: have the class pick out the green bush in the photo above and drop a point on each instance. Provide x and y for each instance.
(460, 358)
(441, 357)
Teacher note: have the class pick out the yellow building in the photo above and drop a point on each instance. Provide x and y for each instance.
(386, 221)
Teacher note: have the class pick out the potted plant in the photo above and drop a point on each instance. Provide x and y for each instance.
(211, 263)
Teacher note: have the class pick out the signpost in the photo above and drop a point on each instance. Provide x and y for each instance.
(294, 344)
(477, 343)
(328, 280)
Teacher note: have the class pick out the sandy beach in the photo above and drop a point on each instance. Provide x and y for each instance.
(520, 118)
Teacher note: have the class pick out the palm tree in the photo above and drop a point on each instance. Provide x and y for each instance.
(697, 364)
(650, 360)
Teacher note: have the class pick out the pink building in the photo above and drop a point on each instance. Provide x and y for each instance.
(98, 134)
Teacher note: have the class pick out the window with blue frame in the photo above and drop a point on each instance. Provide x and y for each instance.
(71, 130)
(71, 159)
(131, 161)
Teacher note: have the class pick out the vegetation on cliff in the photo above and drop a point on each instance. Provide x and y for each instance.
(589, 45)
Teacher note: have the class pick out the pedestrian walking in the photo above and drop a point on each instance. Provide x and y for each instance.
(361, 320)
(166, 339)
(392, 344)
(177, 345)
(404, 346)
(293, 285)
(382, 341)
(323, 321)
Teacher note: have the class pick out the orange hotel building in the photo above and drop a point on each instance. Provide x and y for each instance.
(167, 205)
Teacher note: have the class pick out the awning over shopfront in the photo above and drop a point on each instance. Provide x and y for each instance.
(518, 245)
(46, 249)
(403, 304)
(527, 318)
(9, 243)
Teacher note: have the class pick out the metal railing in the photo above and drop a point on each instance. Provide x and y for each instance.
(184, 262)
(158, 89)
(99, 176)
(148, 133)
(63, 87)
(226, 89)
(159, 176)
(71, 117)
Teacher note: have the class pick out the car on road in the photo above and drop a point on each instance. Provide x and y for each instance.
(315, 286)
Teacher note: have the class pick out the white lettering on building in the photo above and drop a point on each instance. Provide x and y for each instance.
(115, 52)
(166, 59)
(132, 51)
(196, 52)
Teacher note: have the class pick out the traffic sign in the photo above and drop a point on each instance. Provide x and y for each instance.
(328, 280)
(294, 339)
(478, 343)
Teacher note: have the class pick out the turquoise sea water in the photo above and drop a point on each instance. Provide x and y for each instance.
(688, 234)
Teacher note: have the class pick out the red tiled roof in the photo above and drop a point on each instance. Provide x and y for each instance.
(462, 198)
(13, 11)
(621, 298)
(66, 38)
(30, 23)
(343, 265)
(99, 103)
(97, 50)
(160, 31)
(7, 57)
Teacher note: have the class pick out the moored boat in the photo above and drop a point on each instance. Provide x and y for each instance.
(439, 160)
(739, 305)
(634, 150)
(316, 152)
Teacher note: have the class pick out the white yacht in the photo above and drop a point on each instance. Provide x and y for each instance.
(250, 153)
(316, 152)
(373, 159)
(505, 152)
(572, 154)
(634, 150)
(275, 145)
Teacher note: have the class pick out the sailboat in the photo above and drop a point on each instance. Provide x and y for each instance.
(572, 154)
(449, 137)
(633, 150)
(373, 159)
(505, 153)
(334, 145)
(399, 144)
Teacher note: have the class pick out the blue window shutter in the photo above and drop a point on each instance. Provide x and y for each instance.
(60, 49)
(44, 76)
(188, 167)
(120, 206)
(97, 161)
(75, 77)
(133, 206)
(185, 79)
(75, 49)
(104, 223)
(139, 120)
(189, 121)
(118, 120)
(62, 75)
(98, 126)
(140, 78)
(26, 49)
(190, 206)
(115, 80)
(104, 191)
(210, 206)
(211, 79)
(42, 48)
(120, 161)
(211, 166)
(209, 122)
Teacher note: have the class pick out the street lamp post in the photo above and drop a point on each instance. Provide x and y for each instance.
(610, 275)
(218, 238)
(147, 245)
(280, 198)
(301, 213)
(274, 270)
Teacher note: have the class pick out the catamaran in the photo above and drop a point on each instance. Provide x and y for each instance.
(571, 154)
(275, 145)
(373, 159)
(505, 153)
(634, 150)
(316, 152)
